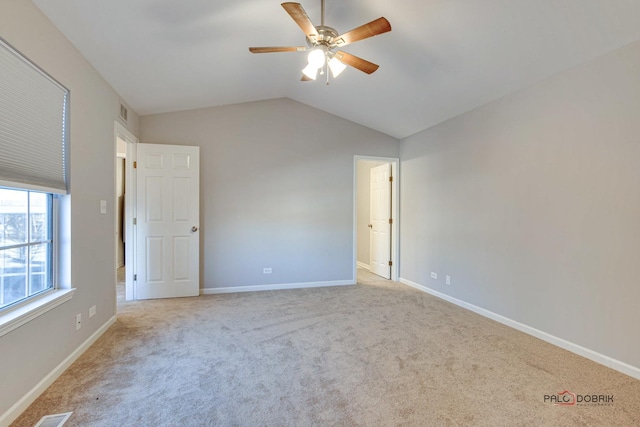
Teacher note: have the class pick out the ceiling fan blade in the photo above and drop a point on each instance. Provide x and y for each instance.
(355, 62)
(270, 49)
(305, 78)
(298, 14)
(373, 28)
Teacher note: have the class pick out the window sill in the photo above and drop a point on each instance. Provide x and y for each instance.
(20, 315)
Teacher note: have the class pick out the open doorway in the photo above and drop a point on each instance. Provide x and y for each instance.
(376, 216)
(121, 156)
(124, 196)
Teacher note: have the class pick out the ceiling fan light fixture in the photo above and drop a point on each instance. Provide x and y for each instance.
(310, 71)
(336, 66)
(316, 58)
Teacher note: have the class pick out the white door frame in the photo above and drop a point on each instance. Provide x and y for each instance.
(129, 204)
(395, 209)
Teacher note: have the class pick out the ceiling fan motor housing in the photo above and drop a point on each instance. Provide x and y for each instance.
(326, 37)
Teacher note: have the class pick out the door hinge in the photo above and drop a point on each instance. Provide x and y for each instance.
(135, 165)
(135, 221)
(390, 263)
(390, 178)
(390, 220)
(135, 277)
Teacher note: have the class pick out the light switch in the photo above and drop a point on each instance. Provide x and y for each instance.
(103, 206)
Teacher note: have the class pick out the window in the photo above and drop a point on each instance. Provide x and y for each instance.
(34, 136)
(26, 244)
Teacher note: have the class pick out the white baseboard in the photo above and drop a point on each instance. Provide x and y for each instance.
(211, 291)
(363, 265)
(21, 405)
(602, 359)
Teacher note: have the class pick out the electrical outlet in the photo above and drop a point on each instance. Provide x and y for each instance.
(266, 270)
(434, 275)
(447, 280)
(103, 206)
(92, 311)
(78, 321)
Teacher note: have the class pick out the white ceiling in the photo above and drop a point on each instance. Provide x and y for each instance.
(442, 58)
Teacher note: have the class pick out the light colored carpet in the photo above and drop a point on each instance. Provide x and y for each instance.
(375, 354)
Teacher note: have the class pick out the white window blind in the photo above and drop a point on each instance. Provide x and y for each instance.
(33, 125)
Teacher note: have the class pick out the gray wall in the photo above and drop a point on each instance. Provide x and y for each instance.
(363, 208)
(532, 205)
(33, 350)
(276, 188)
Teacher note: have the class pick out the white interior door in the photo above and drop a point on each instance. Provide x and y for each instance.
(167, 221)
(380, 211)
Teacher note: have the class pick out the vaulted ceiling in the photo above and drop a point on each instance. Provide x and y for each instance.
(442, 58)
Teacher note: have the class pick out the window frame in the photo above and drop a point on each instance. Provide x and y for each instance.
(20, 312)
(29, 308)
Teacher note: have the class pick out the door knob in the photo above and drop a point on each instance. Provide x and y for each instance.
(194, 229)
(370, 225)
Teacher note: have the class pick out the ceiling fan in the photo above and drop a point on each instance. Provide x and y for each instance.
(323, 40)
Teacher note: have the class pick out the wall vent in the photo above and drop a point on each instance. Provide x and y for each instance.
(123, 112)
(56, 420)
